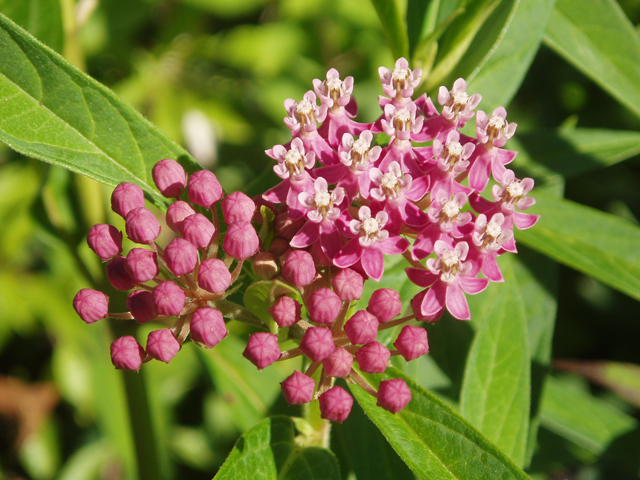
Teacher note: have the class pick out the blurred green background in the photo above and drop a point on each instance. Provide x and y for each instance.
(213, 74)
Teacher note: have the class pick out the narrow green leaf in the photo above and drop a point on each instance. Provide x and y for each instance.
(458, 38)
(601, 42)
(390, 13)
(41, 18)
(547, 153)
(621, 378)
(269, 451)
(52, 111)
(416, 13)
(595, 243)
(435, 441)
(585, 420)
(499, 74)
(496, 386)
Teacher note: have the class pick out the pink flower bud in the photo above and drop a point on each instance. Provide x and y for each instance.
(393, 395)
(127, 354)
(416, 307)
(385, 304)
(285, 311)
(237, 207)
(335, 404)
(207, 327)
(204, 188)
(361, 328)
(323, 306)
(412, 342)
(198, 230)
(141, 305)
(105, 241)
(162, 345)
(169, 177)
(181, 256)
(286, 228)
(118, 276)
(298, 388)
(338, 364)
(169, 299)
(214, 276)
(241, 240)
(176, 213)
(262, 349)
(126, 197)
(299, 269)
(348, 284)
(91, 305)
(142, 226)
(265, 265)
(279, 246)
(142, 264)
(317, 343)
(373, 357)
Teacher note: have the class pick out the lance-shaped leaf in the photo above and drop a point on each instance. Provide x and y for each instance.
(52, 111)
(597, 244)
(269, 451)
(41, 18)
(390, 13)
(496, 386)
(601, 42)
(434, 440)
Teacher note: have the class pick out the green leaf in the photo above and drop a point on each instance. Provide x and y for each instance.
(496, 386)
(499, 74)
(597, 244)
(435, 441)
(458, 39)
(547, 153)
(390, 13)
(621, 378)
(601, 42)
(52, 111)
(582, 418)
(41, 18)
(269, 451)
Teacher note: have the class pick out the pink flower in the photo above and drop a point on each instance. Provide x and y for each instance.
(399, 83)
(447, 275)
(457, 105)
(452, 158)
(494, 130)
(371, 241)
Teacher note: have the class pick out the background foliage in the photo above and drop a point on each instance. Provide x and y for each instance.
(213, 75)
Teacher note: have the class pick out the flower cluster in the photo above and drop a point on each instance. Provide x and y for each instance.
(343, 203)
(185, 279)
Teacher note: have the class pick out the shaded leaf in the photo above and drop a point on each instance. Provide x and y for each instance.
(269, 451)
(390, 13)
(496, 386)
(435, 441)
(621, 378)
(41, 18)
(52, 111)
(582, 418)
(601, 42)
(597, 244)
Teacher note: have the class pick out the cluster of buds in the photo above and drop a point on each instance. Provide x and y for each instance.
(342, 205)
(185, 280)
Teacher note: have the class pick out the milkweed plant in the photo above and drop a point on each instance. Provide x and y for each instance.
(360, 308)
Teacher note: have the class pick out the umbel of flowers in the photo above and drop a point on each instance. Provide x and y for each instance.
(343, 203)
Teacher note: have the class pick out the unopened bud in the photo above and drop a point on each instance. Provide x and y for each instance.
(105, 241)
(393, 395)
(169, 177)
(265, 265)
(126, 197)
(208, 327)
(204, 189)
(91, 305)
(162, 345)
(335, 404)
(237, 207)
(127, 354)
(298, 388)
(262, 349)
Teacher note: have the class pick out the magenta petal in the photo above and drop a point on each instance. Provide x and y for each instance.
(373, 262)
(349, 254)
(330, 240)
(332, 173)
(419, 188)
(278, 194)
(480, 171)
(491, 270)
(434, 301)
(422, 278)
(306, 236)
(524, 220)
(394, 245)
(457, 302)
(473, 285)
(414, 217)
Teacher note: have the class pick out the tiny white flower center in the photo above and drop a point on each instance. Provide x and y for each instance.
(360, 146)
(449, 260)
(304, 107)
(515, 190)
(370, 226)
(493, 230)
(496, 121)
(402, 115)
(454, 149)
(292, 157)
(459, 99)
(333, 84)
(389, 181)
(322, 199)
(450, 209)
(399, 74)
